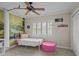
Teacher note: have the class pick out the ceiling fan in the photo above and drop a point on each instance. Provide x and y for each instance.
(29, 8)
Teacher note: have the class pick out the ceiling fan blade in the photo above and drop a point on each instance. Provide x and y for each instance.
(11, 9)
(39, 9)
(21, 8)
(27, 12)
(35, 12)
(16, 8)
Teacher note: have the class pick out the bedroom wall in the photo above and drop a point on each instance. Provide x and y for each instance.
(60, 35)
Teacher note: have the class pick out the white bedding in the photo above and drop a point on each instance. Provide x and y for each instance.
(30, 42)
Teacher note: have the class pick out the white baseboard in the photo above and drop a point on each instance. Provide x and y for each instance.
(57, 47)
(12, 46)
(64, 47)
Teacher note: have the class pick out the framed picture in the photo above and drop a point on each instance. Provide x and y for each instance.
(59, 20)
(28, 26)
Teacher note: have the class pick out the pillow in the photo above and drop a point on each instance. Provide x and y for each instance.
(23, 36)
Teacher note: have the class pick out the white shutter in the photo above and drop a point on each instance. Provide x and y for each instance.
(38, 28)
(34, 29)
(49, 28)
(43, 28)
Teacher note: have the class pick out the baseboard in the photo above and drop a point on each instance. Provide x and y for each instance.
(64, 47)
(12, 46)
(57, 47)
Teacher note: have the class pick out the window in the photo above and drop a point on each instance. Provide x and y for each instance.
(34, 29)
(38, 28)
(49, 28)
(42, 28)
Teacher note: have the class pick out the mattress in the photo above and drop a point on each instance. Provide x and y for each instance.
(30, 42)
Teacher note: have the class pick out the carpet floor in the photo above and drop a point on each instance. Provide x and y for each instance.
(34, 51)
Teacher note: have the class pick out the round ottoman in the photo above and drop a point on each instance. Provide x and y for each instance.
(48, 46)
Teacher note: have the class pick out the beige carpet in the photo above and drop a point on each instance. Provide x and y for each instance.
(34, 51)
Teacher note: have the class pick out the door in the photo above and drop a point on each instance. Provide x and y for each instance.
(76, 33)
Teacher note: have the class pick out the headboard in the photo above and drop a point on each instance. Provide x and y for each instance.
(24, 35)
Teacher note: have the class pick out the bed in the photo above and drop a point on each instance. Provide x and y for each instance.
(30, 42)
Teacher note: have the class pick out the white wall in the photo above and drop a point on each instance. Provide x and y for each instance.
(60, 34)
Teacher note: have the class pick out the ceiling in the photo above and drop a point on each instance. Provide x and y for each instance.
(51, 8)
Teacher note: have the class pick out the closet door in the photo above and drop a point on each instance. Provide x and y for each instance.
(76, 33)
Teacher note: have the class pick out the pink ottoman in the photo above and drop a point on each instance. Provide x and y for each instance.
(48, 46)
